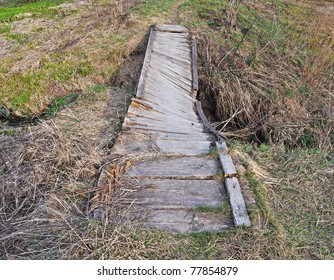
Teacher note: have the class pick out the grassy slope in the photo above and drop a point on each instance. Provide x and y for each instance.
(62, 50)
(293, 215)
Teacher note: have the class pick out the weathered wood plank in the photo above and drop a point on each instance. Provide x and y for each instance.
(171, 58)
(206, 122)
(143, 75)
(227, 165)
(164, 118)
(171, 67)
(170, 124)
(189, 148)
(172, 72)
(168, 135)
(166, 109)
(186, 221)
(226, 160)
(177, 55)
(170, 28)
(194, 65)
(178, 168)
(222, 147)
(169, 193)
(137, 146)
(153, 93)
(170, 86)
(134, 111)
(239, 210)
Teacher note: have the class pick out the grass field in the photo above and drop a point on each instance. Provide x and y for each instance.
(266, 80)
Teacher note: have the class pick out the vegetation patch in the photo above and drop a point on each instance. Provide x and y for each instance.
(265, 69)
(18, 9)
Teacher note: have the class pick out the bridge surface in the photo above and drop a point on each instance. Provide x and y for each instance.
(171, 178)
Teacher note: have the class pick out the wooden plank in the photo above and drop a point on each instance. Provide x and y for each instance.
(169, 103)
(155, 116)
(189, 148)
(206, 122)
(167, 135)
(186, 221)
(170, 28)
(222, 147)
(170, 123)
(166, 109)
(239, 210)
(227, 165)
(178, 168)
(172, 71)
(194, 65)
(134, 111)
(167, 57)
(141, 102)
(174, 194)
(226, 160)
(171, 66)
(130, 146)
(182, 89)
(140, 87)
(170, 82)
(177, 55)
(165, 128)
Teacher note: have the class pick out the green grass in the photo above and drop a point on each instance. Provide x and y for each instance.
(224, 208)
(60, 103)
(152, 8)
(64, 67)
(9, 12)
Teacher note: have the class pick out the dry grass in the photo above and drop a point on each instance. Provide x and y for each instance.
(44, 170)
(82, 44)
(267, 70)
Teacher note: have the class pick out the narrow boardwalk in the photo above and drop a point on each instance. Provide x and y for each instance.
(175, 182)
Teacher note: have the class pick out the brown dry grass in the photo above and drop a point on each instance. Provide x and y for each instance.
(269, 79)
(44, 169)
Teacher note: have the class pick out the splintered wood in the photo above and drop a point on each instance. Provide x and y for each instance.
(172, 171)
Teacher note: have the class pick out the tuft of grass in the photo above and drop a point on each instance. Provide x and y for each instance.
(60, 103)
(224, 208)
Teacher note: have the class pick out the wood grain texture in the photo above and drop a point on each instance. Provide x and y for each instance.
(239, 210)
(194, 65)
(140, 87)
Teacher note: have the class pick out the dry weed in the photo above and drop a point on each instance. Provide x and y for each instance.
(48, 170)
(280, 91)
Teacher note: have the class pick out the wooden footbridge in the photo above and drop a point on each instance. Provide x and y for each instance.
(170, 178)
